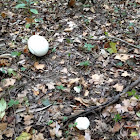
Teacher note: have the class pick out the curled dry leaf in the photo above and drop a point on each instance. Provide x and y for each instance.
(122, 57)
(39, 66)
(72, 81)
(125, 74)
(82, 101)
(97, 79)
(116, 127)
(8, 82)
(3, 126)
(64, 70)
(50, 85)
(118, 87)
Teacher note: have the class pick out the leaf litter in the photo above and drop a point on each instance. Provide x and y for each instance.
(55, 87)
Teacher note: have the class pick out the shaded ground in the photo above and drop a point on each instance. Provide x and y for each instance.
(75, 35)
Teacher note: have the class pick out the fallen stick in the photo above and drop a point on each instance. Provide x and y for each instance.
(96, 108)
(113, 37)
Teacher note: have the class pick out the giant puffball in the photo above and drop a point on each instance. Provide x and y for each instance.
(38, 45)
(82, 123)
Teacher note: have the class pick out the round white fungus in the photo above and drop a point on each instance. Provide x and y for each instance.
(82, 123)
(38, 45)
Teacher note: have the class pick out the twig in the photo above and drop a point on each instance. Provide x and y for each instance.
(123, 41)
(95, 108)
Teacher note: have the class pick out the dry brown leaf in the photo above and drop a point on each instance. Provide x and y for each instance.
(27, 119)
(36, 91)
(116, 127)
(122, 57)
(97, 79)
(39, 66)
(38, 136)
(138, 1)
(92, 10)
(120, 108)
(118, 87)
(80, 137)
(64, 70)
(133, 101)
(1, 89)
(86, 93)
(9, 132)
(62, 61)
(72, 81)
(82, 101)
(68, 29)
(9, 82)
(50, 85)
(3, 126)
(125, 73)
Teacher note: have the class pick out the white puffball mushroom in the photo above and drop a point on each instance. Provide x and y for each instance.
(82, 123)
(38, 45)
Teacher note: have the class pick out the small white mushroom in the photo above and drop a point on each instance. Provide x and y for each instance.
(82, 123)
(38, 45)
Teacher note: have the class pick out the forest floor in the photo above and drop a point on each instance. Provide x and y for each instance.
(92, 69)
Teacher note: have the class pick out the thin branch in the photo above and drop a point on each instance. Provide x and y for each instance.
(113, 37)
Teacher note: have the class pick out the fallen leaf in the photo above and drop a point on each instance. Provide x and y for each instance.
(118, 87)
(116, 127)
(38, 136)
(86, 93)
(97, 79)
(9, 82)
(82, 101)
(50, 85)
(72, 81)
(122, 57)
(120, 108)
(3, 126)
(39, 66)
(68, 29)
(64, 70)
(125, 73)
(24, 136)
(27, 119)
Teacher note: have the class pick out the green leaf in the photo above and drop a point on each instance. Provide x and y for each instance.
(23, 69)
(106, 33)
(24, 136)
(113, 46)
(89, 46)
(22, 5)
(65, 118)
(138, 114)
(14, 54)
(60, 87)
(34, 11)
(119, 64)
(13, 102)
(133, 91)
(27, 25)
(2, 105)
(50, 122)
(133, 134)
(85, 63)
(3, 70)
(46, 102)
(110, 50)
(11, 72)
(117, 117)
